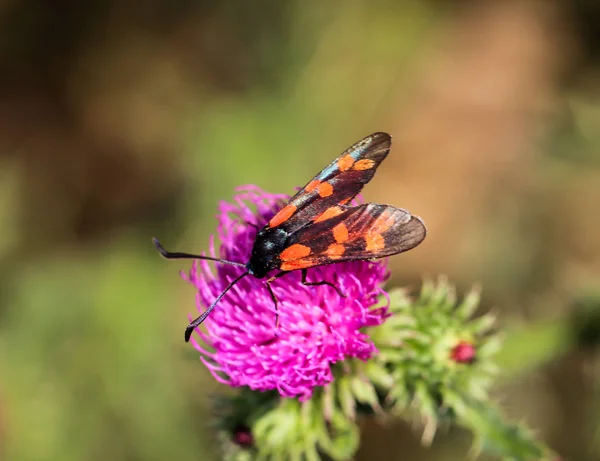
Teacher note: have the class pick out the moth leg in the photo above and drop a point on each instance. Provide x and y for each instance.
(252, 225)
(246, 222)
(323, 282)
(273, 297)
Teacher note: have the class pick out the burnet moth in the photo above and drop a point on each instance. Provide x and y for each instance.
(317, 227)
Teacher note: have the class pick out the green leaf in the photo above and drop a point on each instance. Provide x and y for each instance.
(399, 299)
(489, 346)
(493, 435)
(443, 294)
(469, 304)
(482, 324)
(346, 438)
(346, 397)
(379, 375)
(364, 392)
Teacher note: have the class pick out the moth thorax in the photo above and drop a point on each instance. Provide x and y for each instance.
(265, 253)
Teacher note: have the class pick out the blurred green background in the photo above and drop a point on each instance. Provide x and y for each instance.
(123, 120)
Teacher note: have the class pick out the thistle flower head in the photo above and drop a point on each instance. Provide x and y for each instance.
(463, 352)
(317, 327)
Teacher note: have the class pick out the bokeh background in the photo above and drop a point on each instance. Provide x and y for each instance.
(121, 120)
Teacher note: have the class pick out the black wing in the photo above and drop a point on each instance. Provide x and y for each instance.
(336, 184)
(366, 231)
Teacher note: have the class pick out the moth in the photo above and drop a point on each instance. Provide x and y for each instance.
(317, 226)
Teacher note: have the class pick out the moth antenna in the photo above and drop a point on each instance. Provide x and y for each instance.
(176, 255)
(197, 321)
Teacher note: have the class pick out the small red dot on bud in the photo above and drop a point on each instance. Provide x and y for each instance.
(242, 436)
(463, 352)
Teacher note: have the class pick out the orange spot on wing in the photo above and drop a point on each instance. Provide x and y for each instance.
(363, 164)
(295, 251)
(296, 264)
(346, 200)
(375, 242)
(383, 222)
(284, 214)
(312, 185)
(340, 233)
(345, 162)
(335, 250)
(330, 213)
(325, 189)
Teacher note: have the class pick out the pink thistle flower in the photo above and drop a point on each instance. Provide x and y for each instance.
(317, 327)
(463, 352)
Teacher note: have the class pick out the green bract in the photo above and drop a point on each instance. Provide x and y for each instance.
(418, 374)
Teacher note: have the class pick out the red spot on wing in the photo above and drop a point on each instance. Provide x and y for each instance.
(345, 163)
(374, 242)
(312, 185)
(284, 214)
(295, 251)
(329, 213)
(335, 250)
(364, 164)
(325, 189)
(296, 264)
(340, 233)
(382, 223)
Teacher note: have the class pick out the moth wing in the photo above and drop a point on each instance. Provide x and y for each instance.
(336, 184)
(368, 231)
